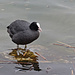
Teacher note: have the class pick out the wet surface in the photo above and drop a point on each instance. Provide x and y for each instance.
(57, 19)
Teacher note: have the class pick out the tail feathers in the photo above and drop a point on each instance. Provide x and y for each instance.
(7, 27)
(8, 30)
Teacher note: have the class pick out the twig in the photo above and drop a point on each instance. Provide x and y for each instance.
(31, 68)
(72, 73)
(4, 61)
(58, 44)
(25, 53)
(65, 44)
(41, 56)
(13, 62)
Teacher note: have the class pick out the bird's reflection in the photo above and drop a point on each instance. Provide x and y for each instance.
(28, 66)
(26, 60)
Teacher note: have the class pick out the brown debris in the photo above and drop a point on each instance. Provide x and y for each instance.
(63, 44)
(41, 56)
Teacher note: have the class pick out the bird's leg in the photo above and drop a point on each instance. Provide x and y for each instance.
(17, 47)
(25, 50)
(25, 47)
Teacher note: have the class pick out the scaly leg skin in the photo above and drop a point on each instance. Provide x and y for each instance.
(25, 50)
(25, 47)
(17, 47)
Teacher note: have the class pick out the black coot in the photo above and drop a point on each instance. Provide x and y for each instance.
(23, 32)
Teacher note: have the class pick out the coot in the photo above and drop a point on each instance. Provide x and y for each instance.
(23, 32)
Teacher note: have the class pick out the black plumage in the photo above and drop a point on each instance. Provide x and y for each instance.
(23, 32)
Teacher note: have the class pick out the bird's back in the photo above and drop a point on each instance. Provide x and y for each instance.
(17, 26)
(21, 33)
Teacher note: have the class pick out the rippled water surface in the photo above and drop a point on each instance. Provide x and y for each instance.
(57, 19)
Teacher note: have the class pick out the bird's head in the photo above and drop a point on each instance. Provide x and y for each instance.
(35, 26)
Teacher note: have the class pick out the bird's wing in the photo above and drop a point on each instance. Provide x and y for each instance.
(17, 26)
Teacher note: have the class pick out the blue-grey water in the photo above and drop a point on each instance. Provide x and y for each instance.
(57, 20)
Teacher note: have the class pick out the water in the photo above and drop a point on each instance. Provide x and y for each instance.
(57, 19)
